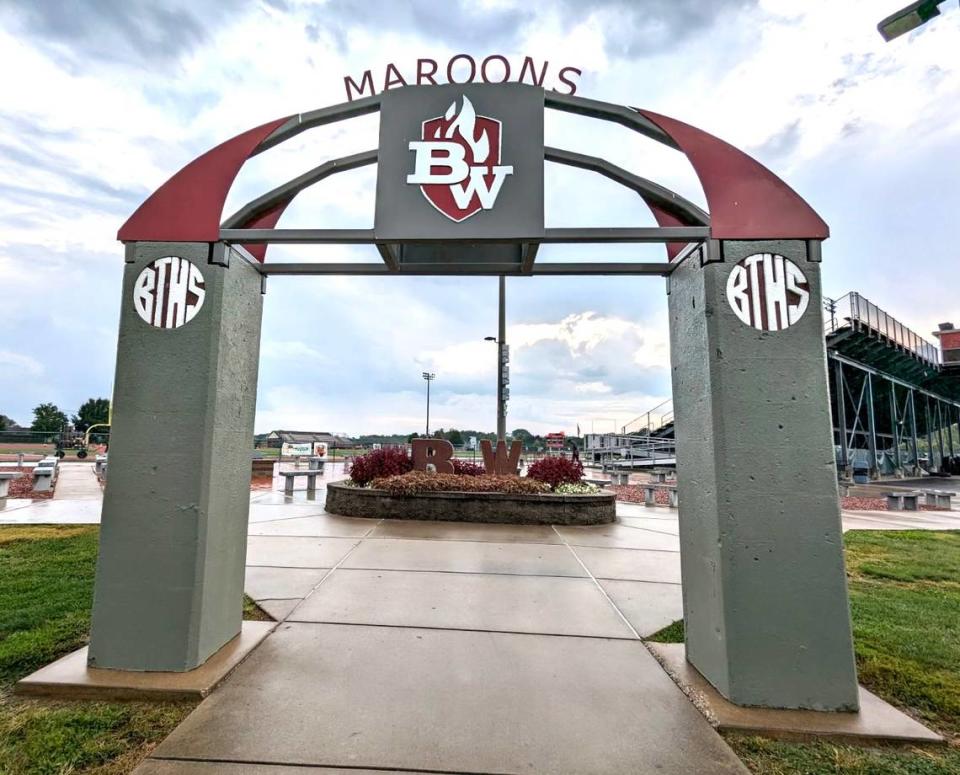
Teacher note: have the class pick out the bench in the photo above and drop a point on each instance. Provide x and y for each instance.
(649, 490)
(42, 479)
(598, 482)
(662, 474)
(311, 475)
(316, 463)
(5, 479)
(939, 498)
(903, 501)
(619, 477)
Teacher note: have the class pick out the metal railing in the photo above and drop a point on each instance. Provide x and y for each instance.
(854, 310)
(652, 421)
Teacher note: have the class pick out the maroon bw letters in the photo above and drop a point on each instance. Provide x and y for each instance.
(439, 454)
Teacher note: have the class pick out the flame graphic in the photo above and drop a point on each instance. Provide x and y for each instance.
(464, 123)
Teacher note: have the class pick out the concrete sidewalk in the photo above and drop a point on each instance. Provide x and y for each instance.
(452, 648)
(76, 481)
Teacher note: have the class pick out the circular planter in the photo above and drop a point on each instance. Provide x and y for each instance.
(495, 507)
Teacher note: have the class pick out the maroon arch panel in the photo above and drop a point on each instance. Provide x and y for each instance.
(266, 220)
(665, 219)
(745, 199)
(188, 207)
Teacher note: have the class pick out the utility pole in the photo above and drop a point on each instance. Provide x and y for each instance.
(429, 377)
(503, 359)
(503, 352)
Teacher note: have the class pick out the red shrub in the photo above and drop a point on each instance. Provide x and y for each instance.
(467, 469)
(389, 461)
(556, 471)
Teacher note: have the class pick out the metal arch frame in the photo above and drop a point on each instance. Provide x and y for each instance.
(746, 200)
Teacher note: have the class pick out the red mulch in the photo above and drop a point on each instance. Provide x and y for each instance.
(632, 494)
(23, 487)
(261, 483)
(852, 503)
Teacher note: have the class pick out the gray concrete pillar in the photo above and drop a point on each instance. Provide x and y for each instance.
(765, 595)
(169, 585)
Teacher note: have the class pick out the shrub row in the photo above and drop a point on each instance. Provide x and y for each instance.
(389, 461)
(555, 471)
(417, 482)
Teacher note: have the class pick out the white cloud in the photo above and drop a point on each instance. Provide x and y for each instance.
(22, 365)
(810, 87)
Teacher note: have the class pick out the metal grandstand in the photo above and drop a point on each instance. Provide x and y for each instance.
(898, 411)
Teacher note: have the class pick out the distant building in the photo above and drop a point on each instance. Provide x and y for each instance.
(279, 438)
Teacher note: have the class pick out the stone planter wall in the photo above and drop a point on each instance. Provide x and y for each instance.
(546, 509)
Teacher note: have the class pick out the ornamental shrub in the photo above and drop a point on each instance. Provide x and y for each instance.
(583, 488)
(464, 468)
(555, 471)
(388, 461)
(416, 482)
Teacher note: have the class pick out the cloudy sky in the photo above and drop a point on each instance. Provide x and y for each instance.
(102, 100)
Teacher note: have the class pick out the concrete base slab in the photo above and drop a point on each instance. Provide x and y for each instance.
(451, 701)
(877, 721)
(178, 767)
(70, 678)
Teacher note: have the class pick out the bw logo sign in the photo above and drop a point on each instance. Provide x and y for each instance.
(457, 162)
(169, 292)
(474, 152)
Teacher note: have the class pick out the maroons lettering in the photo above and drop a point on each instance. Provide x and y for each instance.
(464, 68)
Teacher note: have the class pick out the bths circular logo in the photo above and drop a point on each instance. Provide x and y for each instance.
(169, 292)
(768, 292)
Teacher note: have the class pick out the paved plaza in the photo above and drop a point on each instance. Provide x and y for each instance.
(407, 646)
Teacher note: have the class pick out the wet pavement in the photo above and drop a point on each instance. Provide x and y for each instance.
(440, 647)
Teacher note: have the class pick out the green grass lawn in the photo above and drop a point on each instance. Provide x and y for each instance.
(46, 588)
(905, 605)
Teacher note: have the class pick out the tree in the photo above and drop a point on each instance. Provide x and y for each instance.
(48, 418)
(524, 437)
(93, 411)
(454, 437)
(5, 422)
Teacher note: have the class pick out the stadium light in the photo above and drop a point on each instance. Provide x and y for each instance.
(909, 18)
(429, 377)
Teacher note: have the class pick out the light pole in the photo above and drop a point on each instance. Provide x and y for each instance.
(429, 377)
(503, 357)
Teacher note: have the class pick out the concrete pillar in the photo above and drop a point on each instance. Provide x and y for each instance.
(169, 585)
(765, 595)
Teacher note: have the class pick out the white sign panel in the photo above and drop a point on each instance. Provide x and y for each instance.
(768, 292)
(169, 292)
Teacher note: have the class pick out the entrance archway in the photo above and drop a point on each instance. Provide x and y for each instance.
(460, 192)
